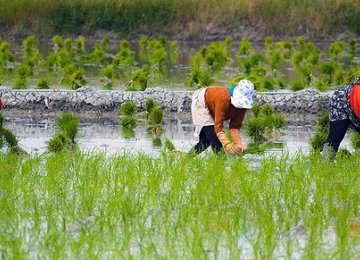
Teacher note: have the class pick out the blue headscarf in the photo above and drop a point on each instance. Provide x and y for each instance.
(231, 89)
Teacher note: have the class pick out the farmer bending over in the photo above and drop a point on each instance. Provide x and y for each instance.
(344, 112)
(212, 106)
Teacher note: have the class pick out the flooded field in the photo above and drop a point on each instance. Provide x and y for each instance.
(108, 136)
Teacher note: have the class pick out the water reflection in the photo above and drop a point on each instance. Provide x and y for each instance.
(110, 137)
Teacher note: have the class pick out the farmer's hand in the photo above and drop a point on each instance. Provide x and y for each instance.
(230, 148)
(239, 146)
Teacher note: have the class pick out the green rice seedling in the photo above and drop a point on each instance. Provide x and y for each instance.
(128, 131)
(268, 42)
(68, 43)
(2, 120)
(156, 116)
(355, 141)
(276, 121)
(128, 121)
(250, 62)
(155, 119)
(286, 48)
(317, 141)
(306, 73)
(125, 57)
(31, 54)
(336, 49)
(169, 146)
(140, 78)
(180, 207)
(351, 73)
(6, 56)
(8, 138)
(57, 42)
(199, 77)
(152, 52)
(267, 110)
(73, 77)
(297, 58)
(297, 85)
(328, 69)
(20, 83)
(109, 72)
(321, 85)
(43, 83)
(213, 57)
(23, 71)
(323, 122)
(128, 108)
(79, 46)
(245, 46)
(217, 55)
(98, 54)
(255, 128)
(274, 59)
(171, 50)
(59, 59)
(150, 104)
(264, 124)
(338, 77)
(106, 83)
(352, 47)
(66, 134)
(256, 109)
(313, 59)
(68, 124)
(57, 143)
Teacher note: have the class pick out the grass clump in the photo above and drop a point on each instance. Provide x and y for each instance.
(207, 62)
(128, 110)
(265, 124)
(8, 138)
(317, 141)
(67, 131)
(43, 83)
(355, 141)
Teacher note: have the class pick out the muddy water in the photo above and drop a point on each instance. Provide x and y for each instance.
(108, 136)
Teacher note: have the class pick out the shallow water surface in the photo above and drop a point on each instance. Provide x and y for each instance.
(108, 136)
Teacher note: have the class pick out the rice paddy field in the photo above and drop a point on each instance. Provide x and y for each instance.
(100, 206)
(272, 65)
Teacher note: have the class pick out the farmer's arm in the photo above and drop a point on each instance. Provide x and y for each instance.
(234, 125)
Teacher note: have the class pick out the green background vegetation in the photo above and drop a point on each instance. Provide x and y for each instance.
(281, 17)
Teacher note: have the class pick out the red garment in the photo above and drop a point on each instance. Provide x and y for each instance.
(355, 100)
(1, 103)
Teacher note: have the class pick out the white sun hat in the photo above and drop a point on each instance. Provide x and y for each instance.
(242, 96)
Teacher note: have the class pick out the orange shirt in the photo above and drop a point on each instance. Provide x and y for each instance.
(217, 100)
(355, 100)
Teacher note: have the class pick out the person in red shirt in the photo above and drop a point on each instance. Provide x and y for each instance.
(212, 106)
(344, 113)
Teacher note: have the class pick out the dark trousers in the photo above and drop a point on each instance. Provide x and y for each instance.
(208, 138)
(337, 132)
